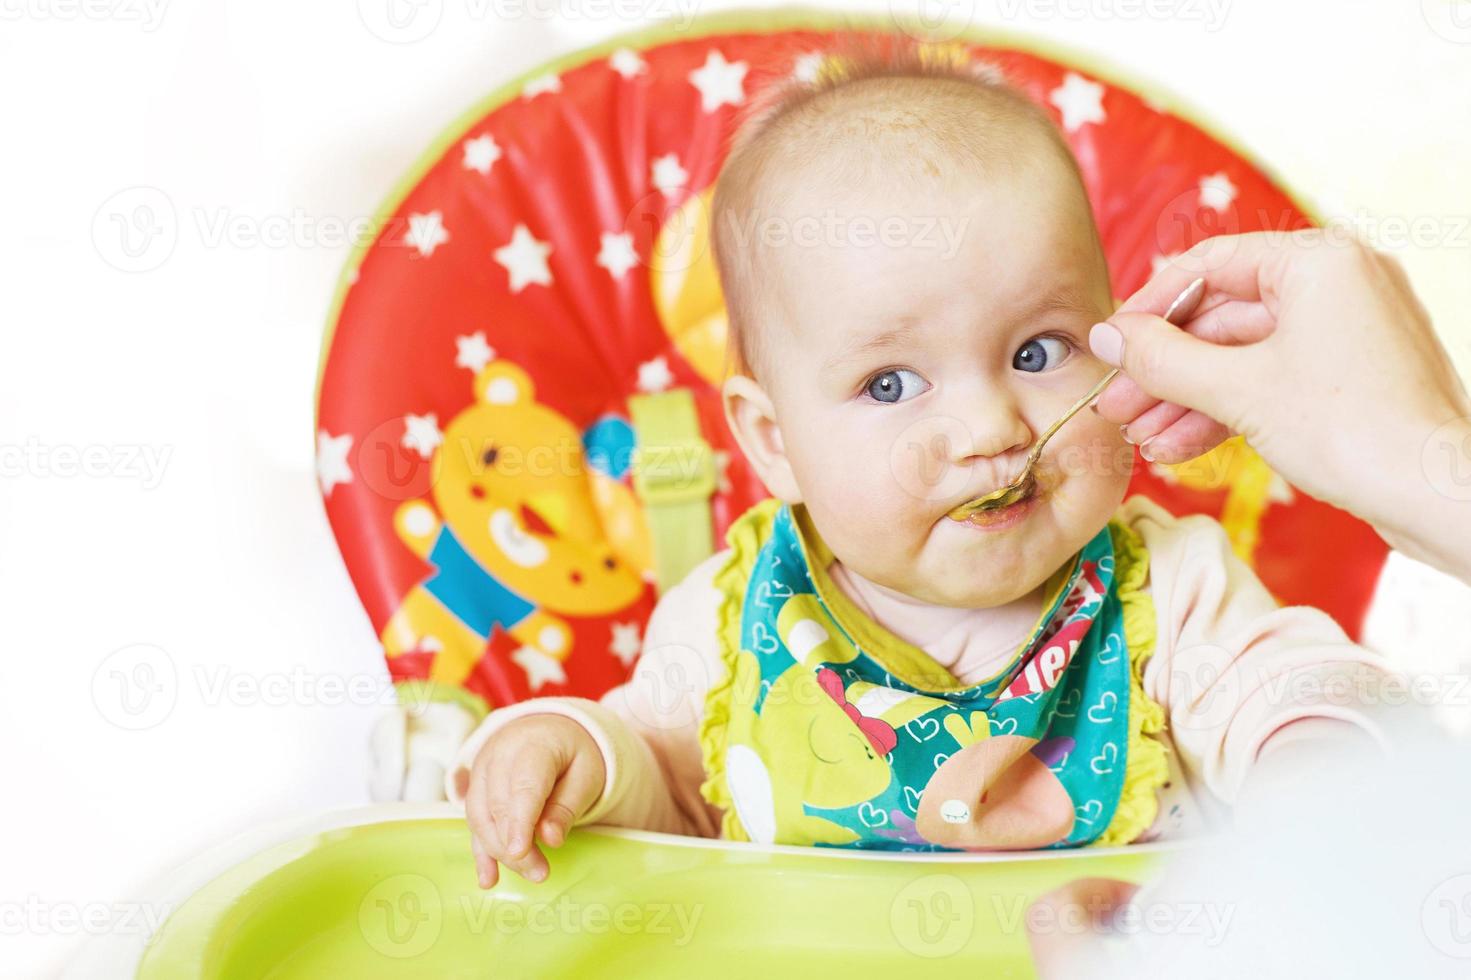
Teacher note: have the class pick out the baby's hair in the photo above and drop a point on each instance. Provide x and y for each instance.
(894, 72)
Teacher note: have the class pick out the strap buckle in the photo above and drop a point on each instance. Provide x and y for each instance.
(674, 471)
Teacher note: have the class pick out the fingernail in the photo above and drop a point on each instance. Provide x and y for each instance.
(1147, 451)
(1124, 431)
(536, 874)
(517, 843)
(1107, 343)
(482, 877)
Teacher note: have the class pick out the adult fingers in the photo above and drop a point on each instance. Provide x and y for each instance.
(1170, 364)
(1221, 321)
(1194, 434)
(1153, 421)
(1237, 265)
(1067, 952)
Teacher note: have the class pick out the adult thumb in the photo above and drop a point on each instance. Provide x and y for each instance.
(1168, 363)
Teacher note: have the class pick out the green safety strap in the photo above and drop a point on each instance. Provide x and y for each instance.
(674, 477)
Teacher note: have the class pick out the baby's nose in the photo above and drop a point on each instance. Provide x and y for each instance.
(997, 427)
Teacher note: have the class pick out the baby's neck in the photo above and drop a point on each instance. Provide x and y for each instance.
(971, 643)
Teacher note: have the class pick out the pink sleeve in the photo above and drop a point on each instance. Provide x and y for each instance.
(647, 728)
(1235, 671)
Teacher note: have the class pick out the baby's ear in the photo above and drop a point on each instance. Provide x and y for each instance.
(752, 421)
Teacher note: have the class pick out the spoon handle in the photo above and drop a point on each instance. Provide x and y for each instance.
(1081, 403)
(1179, 310)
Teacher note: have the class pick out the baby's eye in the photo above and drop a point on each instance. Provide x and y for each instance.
(900, 384)
(1040, 354)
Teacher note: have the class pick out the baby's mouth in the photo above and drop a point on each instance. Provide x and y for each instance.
(1000, 515)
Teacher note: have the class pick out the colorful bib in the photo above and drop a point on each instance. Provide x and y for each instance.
(827, 729)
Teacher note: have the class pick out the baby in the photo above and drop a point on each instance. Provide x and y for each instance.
(858, 668)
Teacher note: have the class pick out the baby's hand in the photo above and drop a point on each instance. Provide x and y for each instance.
(538, 773)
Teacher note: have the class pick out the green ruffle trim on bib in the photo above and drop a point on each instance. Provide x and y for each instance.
(745, 537)
(1147, 768)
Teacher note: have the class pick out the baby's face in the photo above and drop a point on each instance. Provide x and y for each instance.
(982, 344)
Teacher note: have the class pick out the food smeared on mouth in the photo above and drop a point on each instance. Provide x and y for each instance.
(999, 515)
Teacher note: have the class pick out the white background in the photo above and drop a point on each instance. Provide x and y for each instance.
(294, 118)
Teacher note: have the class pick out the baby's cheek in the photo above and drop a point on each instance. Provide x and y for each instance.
(1096, 457)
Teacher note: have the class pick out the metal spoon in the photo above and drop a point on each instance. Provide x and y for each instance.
(1023, 486)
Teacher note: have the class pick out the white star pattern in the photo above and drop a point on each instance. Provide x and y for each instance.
(667, 175)
(626, 643)
(617, 255)
(807, 67)
(332, 467)
(1217, 191)
(540, 84)
(421, 434)
(525, 259)
(654, 375)
(1079, 100)
(481, 153)
(473, 352)
(719, 81)
(627, 63)
(539, 667)
(426, 232)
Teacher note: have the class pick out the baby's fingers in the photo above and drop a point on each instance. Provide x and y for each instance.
(575, 792)
(519, 789)
(487, 872)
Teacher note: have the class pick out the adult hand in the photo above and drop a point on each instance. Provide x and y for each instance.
(1317, 352)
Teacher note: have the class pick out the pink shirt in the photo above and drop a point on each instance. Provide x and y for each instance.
(1231, 668)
